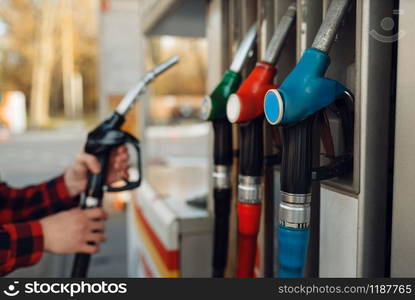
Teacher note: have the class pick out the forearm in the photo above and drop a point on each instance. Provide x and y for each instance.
(21, 245)
(34, 202)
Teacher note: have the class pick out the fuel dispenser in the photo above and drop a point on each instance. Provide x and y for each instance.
(246, 108)
(346, 232)
(294, 106)
(214, 109)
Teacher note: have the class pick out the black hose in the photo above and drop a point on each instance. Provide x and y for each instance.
(80, 265)
(297, 156)
(222, 202)
(223, 156)
(251, 147)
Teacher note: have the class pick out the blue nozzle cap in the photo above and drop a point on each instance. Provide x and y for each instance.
(303, 92)
(273, 107)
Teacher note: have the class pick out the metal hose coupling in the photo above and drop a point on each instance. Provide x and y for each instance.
(249, 189)
(221, 177)
(295, 210)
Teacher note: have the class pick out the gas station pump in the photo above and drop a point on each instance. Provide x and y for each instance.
(346, 232)
(246, 108)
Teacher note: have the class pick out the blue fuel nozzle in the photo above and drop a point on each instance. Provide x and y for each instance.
(304, 92)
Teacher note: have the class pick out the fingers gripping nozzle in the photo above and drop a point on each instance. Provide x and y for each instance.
(304, 92)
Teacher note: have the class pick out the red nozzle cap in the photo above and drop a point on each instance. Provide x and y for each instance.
(248, 102)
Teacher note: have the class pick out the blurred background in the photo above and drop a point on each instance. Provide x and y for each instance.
(64, 65)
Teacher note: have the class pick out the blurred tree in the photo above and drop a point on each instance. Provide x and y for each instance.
(22, 41)
(18, 17)
(189, 77)
(43, 65)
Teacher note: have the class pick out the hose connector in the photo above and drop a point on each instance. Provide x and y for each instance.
(221, 177)
(249, 189)
(295, 210)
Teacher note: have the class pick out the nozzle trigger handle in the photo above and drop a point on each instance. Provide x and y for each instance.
(343, 163)
(129, 185)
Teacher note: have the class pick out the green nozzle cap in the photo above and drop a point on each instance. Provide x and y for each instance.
(214, 106)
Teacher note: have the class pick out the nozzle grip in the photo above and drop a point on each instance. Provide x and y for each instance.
(130, 185)
(341, 164)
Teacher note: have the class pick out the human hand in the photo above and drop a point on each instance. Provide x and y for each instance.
(74, 230)
(76, 175)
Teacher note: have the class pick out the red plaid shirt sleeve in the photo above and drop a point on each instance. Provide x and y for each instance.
(21, 237)
(21, 245)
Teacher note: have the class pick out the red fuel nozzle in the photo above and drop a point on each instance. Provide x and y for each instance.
(248, 102)
(248, 105)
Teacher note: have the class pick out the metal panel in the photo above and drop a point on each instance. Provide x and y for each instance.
(309, 16)
(180, 18)
(338, 232)
(120, 63)
(370, 80)
(374, 91)
(403, 242)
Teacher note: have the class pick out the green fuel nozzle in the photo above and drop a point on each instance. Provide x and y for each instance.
(214, 106)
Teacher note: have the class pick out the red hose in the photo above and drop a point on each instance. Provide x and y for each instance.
(249, 216)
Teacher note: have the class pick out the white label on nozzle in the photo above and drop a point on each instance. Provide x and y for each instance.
(91, 202)
(233, 108)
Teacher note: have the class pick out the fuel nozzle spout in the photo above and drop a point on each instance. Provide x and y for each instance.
(129, 99)
(327, 33)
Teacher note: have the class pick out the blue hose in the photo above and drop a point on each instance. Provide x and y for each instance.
(292, 248)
